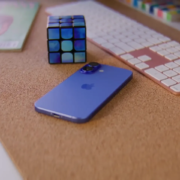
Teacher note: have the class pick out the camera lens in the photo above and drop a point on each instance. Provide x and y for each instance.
(90, 68)
(93, 64)
(87, 68)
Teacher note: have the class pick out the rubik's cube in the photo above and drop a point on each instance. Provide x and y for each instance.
(66, 39)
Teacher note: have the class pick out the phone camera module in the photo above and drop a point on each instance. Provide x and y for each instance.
(90, 68)
(87, 68)
(93, 64)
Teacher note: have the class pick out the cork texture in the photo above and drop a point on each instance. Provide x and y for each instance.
(135, 136)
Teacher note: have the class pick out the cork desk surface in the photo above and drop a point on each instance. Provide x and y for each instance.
(135, 136)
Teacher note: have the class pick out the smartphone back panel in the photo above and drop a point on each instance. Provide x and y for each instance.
(80, 96)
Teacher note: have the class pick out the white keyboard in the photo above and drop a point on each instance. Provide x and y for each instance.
(149, 52)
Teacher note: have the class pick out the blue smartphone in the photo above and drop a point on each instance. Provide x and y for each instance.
(80, 96)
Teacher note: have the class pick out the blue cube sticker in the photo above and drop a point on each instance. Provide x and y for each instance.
(53, 33)
(79, 33)
(66, 25)
(78, 20)
(65, 20)
(66, 45)
(65, 17)
(67, 58)
(80, 45)
(53, 25)
(66, 33)
(54, 21)
(54, 46)
(53, 17)
(77, 24)
(79, 57)
(54, 58)
(78, 17)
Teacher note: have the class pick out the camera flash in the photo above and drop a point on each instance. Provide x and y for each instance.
(101, 70)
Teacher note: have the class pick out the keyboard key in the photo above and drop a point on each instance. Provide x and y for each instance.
(135, 45)
(91, 35)
(144, 58)
(159, 41)
(120, 36)
(107, 37)
(177, 61)
(157, 35)
(177, 54)
(176, 78)
(173, 43)
(177, 69)
(99, 40)
(171, 57)
(163, 46)
(170, 73)
(177, 47)
(113, 40)
(153, 40)
(127, 34)
(176, 88)
(168, 82)
(104, 35)
(168, 45)
(145, 36)
(147, 44)
(161, 68)
(127, 56)
(117, 50)
(134, 36)
(142, 65)
(163, 53)
(155, 48)
(164, 39)
(126, 40)
(107, 45)
(125, 47)
(172, 50)
(134, 61)
(171, 65)
(155, 74)
(140, 40)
